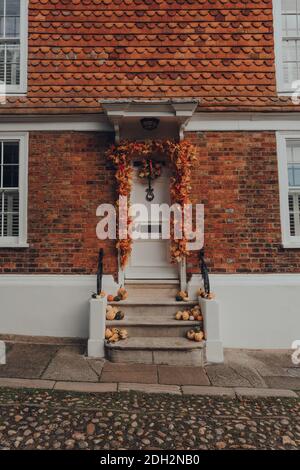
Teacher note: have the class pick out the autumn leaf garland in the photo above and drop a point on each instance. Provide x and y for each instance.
(181, 155)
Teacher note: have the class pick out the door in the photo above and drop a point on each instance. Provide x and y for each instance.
(150, 258)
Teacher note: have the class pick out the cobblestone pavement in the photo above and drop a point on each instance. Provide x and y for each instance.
(35, 419)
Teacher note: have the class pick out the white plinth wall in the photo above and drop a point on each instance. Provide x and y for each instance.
(256, 311)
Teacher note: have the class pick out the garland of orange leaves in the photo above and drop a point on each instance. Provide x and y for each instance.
(181, 156)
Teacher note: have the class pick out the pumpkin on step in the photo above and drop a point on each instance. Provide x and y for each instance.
(185, 316)
(119, 315)
(199, 336)
(123, 334)
(108, 333)
(114, 338)
(110, 315)
(190, 335)
(122, 293)
(178, 315)
(117, 298)
(110, 298)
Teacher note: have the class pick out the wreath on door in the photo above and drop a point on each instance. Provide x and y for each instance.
(181, 156)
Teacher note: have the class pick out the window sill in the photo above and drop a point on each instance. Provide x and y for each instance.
(291, 245)
(14, 245)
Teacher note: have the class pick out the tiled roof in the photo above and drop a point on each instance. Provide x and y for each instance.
(219, 51)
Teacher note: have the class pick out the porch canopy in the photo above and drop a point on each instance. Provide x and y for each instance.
(126, 116)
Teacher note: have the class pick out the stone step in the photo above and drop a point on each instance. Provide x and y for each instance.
(152, 290)
(154, 326)
(148, 350)
(160, 308)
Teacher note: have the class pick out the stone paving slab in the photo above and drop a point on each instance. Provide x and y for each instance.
(225, 376)
(26, 383)
(264, 393)
(70, 364)
(149, 388)
(27, 360)
(87, 387)
(180, 375)
(132, 373)
(292, 383)
(208, 391)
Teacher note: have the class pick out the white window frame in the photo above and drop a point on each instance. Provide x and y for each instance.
(278, 40)
(21, 240)
(288, 241)
(21, 89)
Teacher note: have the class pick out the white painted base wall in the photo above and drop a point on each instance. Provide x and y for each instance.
(48, 305)
(257, 311)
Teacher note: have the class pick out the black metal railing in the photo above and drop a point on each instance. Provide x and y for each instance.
(204, 272)
(100, 271)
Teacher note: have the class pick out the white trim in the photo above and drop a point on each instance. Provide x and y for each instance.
(277, 22)
(288, 241)
(199, 122)
(21, 240)
(21, 89)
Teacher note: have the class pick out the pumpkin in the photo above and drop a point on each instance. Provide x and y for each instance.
(199, 317)
(201, 292)
(178, 316)
(108, 333)
(122, 293)
(123, 334)
(190, 335)
(102, 294)
(110, 298)
(115, 331)
(192, 318)
(199, 337)
(119, 315)
(185, 316)
(117, 298)
(178, 298)
(110, 315)
(114, 338)
(210, 296)
(183, 294)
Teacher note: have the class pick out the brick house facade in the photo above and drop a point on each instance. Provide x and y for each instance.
(222, 54)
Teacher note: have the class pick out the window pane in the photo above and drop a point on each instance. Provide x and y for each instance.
(289, 6)
(12, 65)
(11, 153)
(10, 176)
(294, 176)
(13, 7)
(11, 225)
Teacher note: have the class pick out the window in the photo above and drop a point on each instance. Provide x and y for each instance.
(13, 190)
(13, 46)
(287, 43)
(289, 181)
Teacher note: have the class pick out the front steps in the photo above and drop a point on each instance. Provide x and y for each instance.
(155, 337)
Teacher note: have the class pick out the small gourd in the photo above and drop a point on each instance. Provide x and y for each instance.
(178, 315)
(192, 318)
(199, 336)
(108, 333)
(185, 316)
(190, 335)
(117, 298)
(110, 298)
(123, 334)
(119, 315)
(110, 315)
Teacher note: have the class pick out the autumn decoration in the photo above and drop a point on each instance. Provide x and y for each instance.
(193, 314)
(113, 335)
(149, 169)
(196, 334)
(114, 313)
(182, 296)
(206, 295)
(180, 155)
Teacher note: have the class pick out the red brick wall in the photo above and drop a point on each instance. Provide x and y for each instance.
(235, 177)
(68, 178)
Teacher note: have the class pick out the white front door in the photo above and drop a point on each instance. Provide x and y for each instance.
(150, 259)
